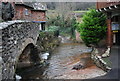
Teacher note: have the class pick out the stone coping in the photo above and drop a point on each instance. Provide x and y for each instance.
(6, 24)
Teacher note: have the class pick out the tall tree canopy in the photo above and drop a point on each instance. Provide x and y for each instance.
(93, 27)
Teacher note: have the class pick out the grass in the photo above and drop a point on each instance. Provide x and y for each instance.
(51, 10)
(79, 11)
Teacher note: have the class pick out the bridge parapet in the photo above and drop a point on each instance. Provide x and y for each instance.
(14, 37)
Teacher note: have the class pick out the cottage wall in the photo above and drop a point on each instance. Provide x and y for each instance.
(20, 13)
(38, 16)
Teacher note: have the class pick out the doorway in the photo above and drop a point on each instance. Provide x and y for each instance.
(118, 38)
(116, 29)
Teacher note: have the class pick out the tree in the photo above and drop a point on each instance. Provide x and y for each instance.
(65, 11)
(77, 5)
(93, 27)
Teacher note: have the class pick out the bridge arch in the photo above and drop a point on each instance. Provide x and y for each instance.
(23, 46)
(28, 58)
(16, 36)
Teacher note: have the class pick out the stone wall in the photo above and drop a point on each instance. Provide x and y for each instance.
(98, 60)
(78, 38)
(15, 36)
(0, 11)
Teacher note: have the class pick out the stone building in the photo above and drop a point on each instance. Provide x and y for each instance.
(39, 16)
(112, 10)
(22, 11)
(35, 12)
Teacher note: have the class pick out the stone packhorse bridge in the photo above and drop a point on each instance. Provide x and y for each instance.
(17, 38)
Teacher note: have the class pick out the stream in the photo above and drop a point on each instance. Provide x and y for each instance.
(62, 61)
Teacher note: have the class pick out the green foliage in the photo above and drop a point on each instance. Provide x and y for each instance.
(44, 34)
(55, 21)
(66, 25)
(61, 21)
(93, 27)
(65, 31)
(52, 28)
(47, 41)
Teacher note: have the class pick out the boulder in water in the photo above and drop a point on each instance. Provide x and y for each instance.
(78, 67)
(45, 56)
(18, 77)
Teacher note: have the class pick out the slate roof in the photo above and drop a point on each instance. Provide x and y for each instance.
(32, 5)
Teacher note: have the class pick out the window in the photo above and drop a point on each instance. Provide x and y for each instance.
(26, 12)
(115, 26)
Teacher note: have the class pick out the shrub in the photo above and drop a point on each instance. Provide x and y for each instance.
(66, 26)
(54, 29)
(93, 27)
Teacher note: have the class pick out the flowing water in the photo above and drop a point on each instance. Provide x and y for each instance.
(62, 61)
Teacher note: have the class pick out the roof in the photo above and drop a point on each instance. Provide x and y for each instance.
(39, 21)
(22, 4)
(110, 8)
(39, 6)
(38, 10)
(34, 6)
